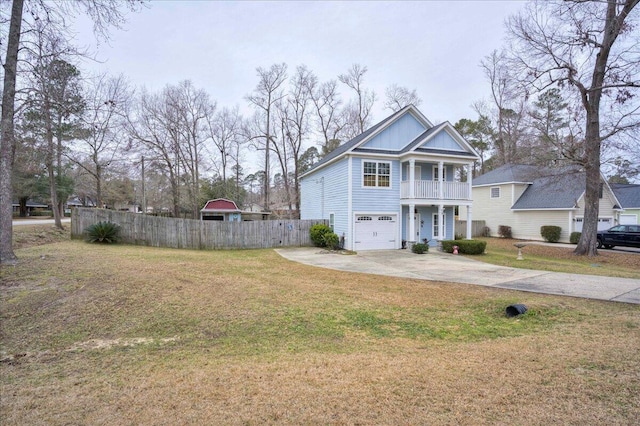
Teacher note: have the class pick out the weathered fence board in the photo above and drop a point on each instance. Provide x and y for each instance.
(156, 231)
(477, 227)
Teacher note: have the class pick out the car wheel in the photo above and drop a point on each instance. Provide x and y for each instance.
(599, 243)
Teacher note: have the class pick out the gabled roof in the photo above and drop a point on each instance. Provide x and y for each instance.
(558, 191)
(627, 194)
(547, 188)
(220, 205)
(509, 173)
(357, 144)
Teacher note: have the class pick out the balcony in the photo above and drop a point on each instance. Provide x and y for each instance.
(430, 190)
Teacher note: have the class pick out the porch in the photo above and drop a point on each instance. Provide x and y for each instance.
(435, 190)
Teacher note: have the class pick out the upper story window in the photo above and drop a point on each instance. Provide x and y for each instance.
(376, 174)
(436, 173)
(495, 192)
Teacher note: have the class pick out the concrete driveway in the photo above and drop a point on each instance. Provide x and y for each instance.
(436, 266)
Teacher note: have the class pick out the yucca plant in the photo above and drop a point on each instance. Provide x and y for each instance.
(103, 232)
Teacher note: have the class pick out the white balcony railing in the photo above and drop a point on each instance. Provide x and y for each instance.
(430, 189)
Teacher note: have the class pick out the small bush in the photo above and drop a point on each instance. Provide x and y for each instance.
(575, 237)
(420, 248)
(504, 231)
(103, 232)
(317, 233)
(458, 237)
(332, 241)
(550, 233)
(464, 246)
(486, 231)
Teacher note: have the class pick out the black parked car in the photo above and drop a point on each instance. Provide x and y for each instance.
(620, 235)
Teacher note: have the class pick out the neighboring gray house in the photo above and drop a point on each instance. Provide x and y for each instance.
(629, 197)
(528, 197)
(399, 180)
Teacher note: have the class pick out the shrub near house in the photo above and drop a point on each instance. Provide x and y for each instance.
(550, 234)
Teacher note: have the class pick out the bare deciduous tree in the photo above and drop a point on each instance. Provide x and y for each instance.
(589, 48)
(103, 139)
(359, 109)
(265, 95)
(398, 97)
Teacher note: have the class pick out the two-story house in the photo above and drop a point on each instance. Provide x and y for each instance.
(400, 180)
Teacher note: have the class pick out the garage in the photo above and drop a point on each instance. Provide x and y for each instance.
(604, 223)
(628, 219)
(375, 231)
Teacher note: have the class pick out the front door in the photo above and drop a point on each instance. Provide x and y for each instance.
(416, 224)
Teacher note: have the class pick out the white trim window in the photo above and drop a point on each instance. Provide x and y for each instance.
(376, 174)
(495, 192)
(434, 224)
(436, 173)
(332, 221)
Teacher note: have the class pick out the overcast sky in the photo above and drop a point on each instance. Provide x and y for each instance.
(432, 46)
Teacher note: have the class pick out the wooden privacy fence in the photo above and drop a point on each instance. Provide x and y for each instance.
(477, 228)
(140, 229)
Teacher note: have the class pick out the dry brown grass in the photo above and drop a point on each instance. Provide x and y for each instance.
(132, 335)
(501, 251)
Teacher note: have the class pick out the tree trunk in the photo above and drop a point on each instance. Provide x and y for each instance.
(6, 138)
(23, 206)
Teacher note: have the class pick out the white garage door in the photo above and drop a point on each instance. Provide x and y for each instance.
(375, 232)
(604, 223)
(628, 219)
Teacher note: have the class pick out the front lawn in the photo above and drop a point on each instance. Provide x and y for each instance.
(134, 335)
(501, 251)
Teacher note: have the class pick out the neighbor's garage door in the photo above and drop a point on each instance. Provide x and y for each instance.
(628, 219)
(375, 232)
(604, 223)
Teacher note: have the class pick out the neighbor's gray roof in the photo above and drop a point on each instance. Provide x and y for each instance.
(507, 174)
(558, 191)
(627, 194)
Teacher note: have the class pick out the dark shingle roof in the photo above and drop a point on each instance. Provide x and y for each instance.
(627, 194)
(559, 191)
(507, 174)
(355, 141)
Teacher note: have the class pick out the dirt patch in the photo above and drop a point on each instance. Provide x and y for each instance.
(37, 235)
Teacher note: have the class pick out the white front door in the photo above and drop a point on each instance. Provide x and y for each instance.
(375, 231)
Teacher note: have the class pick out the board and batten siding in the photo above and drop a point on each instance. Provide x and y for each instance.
(443, 140)
(396, 136)
(326, 192)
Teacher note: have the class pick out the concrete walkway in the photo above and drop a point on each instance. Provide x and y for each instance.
(438, 266)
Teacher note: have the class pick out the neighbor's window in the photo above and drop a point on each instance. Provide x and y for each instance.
(495, 192)
(332, 219)
(376, 174)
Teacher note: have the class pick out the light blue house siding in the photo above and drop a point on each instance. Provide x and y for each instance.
(443, 140)
(326, 192)
(426, 171)
(379, 200)
(395, 137)
(426, 226)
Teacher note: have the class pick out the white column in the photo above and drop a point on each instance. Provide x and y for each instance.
(441, 179)
(440, 222)
(470, 178)
(412, 179)
(469, 222)
(412, 223)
